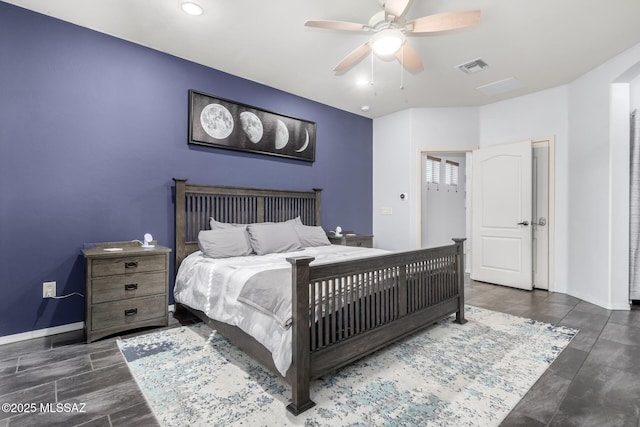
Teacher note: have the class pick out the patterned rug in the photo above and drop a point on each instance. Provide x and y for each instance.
(446, 375)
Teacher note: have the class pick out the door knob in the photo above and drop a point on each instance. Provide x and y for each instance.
(542, 221)
(525, 223)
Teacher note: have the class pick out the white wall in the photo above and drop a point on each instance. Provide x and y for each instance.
(539, 115)
(586, 118)
(438, 129)
(635, 94)
(398, 140)
(599, 181)
(391, 176)
(443, 208)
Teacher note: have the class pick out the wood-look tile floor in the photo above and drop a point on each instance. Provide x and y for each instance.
(594, 382)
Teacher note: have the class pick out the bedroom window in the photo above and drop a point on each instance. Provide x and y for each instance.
(433, 170)
(451, 173)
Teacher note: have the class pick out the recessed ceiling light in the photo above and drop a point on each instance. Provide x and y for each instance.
(192, 8)
(365, 108)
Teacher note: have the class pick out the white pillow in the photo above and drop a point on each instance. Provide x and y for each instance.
(273, 237)
(224, 243)
(310, 235)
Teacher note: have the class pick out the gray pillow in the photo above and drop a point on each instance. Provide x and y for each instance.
(217, 225)
(224, 243)
(269, 238)
(311, 235)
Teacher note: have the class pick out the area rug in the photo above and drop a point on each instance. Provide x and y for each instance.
(446, 375)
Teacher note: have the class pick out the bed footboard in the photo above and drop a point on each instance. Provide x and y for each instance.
(357, 307)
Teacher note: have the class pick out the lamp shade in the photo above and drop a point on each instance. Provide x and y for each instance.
(387, 42)
(192, 8)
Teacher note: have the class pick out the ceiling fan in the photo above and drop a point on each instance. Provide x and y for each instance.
(390, 31)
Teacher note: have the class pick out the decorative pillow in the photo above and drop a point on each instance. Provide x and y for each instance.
(273, 237)
(311, 235)
(224, 243)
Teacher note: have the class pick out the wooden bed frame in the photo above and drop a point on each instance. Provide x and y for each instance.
(382, 299)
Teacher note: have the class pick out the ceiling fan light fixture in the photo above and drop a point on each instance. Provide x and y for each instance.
(362, 81)
(387, 42)
(192, 8)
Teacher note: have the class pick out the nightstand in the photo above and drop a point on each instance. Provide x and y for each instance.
(125, 289)
(363, 240)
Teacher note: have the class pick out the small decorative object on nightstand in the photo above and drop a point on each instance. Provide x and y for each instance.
(351, 239)
(127, 287)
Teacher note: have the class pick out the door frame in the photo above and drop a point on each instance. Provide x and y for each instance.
(552, 186)
(551, 220)
(440, 151)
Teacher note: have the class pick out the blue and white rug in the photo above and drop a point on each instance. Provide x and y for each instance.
(446, 375)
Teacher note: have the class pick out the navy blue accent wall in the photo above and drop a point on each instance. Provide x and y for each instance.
(92, 131)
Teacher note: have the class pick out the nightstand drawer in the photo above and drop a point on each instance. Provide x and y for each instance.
(128, 312)
(364, 241)
(361, 240)
(114, 288)
(127, 265)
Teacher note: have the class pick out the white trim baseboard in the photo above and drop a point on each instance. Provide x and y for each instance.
(39, 333)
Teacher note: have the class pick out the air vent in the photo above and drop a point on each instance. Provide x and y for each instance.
(473, 66)
(501, 86)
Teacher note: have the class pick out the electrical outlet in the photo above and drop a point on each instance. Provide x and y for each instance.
(48, 289)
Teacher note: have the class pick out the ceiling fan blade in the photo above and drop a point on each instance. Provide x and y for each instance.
(352, 59)
(409, 58)
(396, 8)
(444, 21)
(336, 25)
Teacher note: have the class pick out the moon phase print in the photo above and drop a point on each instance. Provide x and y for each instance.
(222, 123)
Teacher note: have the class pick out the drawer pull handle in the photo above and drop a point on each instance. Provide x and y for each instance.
(131, 264)
(131, 287)
(131, 312)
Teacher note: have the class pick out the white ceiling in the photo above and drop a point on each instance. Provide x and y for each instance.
(541, 43)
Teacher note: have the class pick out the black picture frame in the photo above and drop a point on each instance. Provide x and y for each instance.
(219, 122)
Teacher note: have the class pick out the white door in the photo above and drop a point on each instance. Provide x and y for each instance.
(501, 215)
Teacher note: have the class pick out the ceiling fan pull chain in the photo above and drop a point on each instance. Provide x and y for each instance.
(402, 68)
(372, 78)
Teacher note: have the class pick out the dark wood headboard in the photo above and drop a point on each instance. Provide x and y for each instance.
(195, 204)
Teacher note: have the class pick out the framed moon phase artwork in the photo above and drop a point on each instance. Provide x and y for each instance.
(218, 122)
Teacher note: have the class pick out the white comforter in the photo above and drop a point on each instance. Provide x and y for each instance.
(213, 285)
